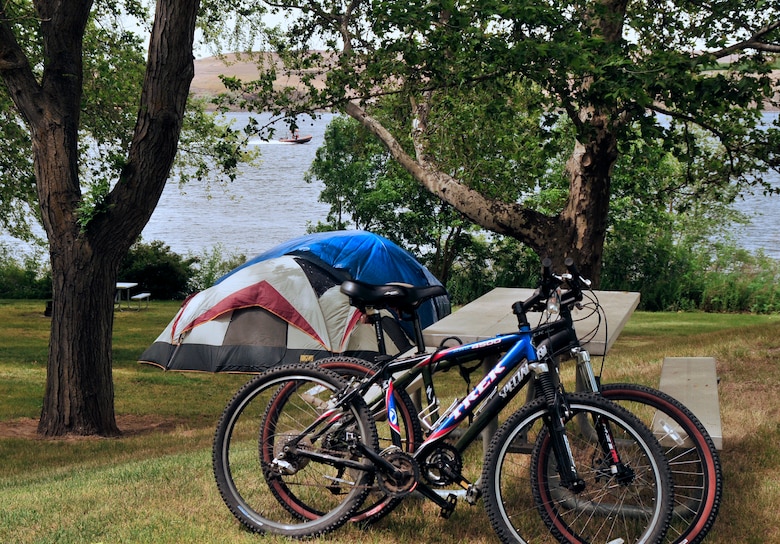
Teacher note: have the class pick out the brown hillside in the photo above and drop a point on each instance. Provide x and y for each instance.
(207, 71)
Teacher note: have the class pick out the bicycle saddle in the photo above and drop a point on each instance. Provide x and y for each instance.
(402, 296)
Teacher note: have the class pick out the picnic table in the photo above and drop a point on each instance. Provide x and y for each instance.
(123, 289)
(123, 293)
(491, 314)
(691, 380)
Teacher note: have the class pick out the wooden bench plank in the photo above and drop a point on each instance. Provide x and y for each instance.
(694, 382)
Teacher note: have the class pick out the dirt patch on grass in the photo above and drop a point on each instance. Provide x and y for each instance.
(130, 425)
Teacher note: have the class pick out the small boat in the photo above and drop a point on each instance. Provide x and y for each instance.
(296, 139)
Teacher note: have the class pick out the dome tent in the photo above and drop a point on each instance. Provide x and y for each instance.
(285, 306)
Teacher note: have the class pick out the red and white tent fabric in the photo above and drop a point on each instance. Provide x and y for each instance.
(284, 309)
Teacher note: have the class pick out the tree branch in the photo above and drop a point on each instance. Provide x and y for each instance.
(17, 74)
(169, 71)
(754, 42)
(501, 217)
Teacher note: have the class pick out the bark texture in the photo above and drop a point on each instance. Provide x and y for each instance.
(85, 256)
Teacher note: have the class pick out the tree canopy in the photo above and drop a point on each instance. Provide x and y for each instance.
(619, 71)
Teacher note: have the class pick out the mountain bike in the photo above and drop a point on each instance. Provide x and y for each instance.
(296, 451)
(693, 458)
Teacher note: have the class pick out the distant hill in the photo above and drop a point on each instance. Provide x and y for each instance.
(207, 71)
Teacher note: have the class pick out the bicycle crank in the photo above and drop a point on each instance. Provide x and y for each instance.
(405, 477)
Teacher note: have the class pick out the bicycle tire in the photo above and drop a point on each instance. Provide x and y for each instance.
(377, 505)
(247, 456)
(509, 503)
(693, 458)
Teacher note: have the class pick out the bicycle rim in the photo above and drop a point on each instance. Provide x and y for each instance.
(606, 511)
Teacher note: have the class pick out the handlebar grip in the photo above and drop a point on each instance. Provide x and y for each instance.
(577, 281)
(546, 268)
(570, 266)
(548, 283)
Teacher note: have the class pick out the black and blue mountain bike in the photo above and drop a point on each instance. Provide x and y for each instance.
(297, 451)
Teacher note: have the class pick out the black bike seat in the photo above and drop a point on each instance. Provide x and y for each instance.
(389, 295)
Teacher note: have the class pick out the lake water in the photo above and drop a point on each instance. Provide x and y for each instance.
(264, 206)
(763, 231)
(272, 203)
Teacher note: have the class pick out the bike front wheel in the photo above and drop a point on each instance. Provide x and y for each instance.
(313, 446)
(633, 505)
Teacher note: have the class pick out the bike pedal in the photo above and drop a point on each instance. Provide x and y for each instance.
(473, 494)
(452, 502)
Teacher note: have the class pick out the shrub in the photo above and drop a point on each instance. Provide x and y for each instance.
(158, 270)
(499, 262)
(211, 266)
(740, 281)
(668, 273)
(27, 280)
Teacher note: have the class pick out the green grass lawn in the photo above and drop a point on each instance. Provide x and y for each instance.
(154, 484)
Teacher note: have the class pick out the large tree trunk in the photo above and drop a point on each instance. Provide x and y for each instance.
(79, 396)
(85, 253)
(586, 213)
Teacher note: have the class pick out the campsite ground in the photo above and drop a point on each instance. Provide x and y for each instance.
(155, 483)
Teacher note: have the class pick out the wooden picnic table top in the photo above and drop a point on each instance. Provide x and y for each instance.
(491, 314)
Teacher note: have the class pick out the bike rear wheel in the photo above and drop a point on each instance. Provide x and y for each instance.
(377, 504)
(312, 446)
(693, 459)
(634, 505)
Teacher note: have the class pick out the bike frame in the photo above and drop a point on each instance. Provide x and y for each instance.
(520, 360)
(527, 354)
(519, 364)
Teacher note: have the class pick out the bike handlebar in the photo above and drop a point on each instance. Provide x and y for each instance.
(575, 282)
(547, 285)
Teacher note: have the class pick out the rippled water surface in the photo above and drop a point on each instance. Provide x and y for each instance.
(264, 206)
(271, 203)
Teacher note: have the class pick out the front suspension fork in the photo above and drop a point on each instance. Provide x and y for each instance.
(558, 413)
(587, 381)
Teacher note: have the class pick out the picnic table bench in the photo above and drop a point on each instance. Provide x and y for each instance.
(694, 382)
(142, 297)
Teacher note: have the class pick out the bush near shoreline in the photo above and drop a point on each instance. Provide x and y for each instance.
(735, 281)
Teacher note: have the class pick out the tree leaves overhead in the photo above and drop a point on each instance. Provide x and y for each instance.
(626, 59)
